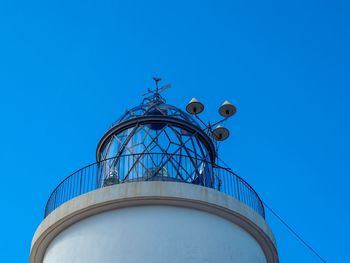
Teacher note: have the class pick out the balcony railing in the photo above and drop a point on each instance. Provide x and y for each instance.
(154, 167)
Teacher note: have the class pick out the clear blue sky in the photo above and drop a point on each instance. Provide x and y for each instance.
(69, 69)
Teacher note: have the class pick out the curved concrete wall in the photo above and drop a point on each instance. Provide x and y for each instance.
(153, 222)
(154, 234)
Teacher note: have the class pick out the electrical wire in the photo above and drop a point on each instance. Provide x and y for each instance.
(294, 232)
(288, 227)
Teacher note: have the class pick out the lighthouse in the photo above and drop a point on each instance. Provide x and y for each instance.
(157, 193)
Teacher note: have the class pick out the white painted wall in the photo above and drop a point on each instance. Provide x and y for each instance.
(152, 234)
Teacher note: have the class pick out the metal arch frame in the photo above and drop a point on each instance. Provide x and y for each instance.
(146, 107)
(202, 136)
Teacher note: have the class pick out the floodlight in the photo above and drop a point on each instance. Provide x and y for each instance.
(194, 107)
(221, 133)
(227, 109)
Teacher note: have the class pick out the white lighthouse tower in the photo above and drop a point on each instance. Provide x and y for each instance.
(156, 194)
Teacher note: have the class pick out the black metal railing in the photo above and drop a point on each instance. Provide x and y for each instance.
(153, 167)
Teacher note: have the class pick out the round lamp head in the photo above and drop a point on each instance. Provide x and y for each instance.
(221, 133)
(194, 107)
(227, 109)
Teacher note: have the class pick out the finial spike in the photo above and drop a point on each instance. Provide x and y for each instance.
(157, 79)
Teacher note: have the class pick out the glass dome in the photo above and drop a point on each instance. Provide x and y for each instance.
(160, 109)
(156, 141)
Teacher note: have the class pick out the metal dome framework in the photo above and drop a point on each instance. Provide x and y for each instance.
(156, 107)
(162, 143)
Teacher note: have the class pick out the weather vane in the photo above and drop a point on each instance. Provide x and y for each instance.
(154, 95)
